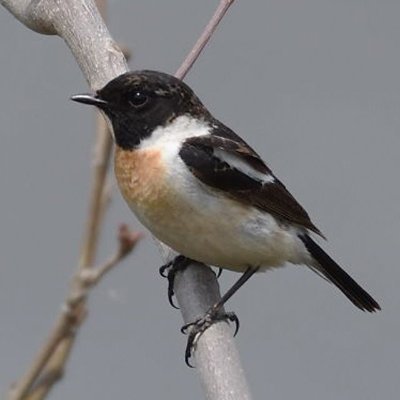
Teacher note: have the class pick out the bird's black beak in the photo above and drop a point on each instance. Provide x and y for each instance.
(89, 99)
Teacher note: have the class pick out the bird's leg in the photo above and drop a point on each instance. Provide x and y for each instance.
(214, 314)
(169, 271)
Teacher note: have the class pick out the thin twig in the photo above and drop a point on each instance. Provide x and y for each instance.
(127, 240)
(55, 353)
(102, 155)
(54, 370)
(57, 348)
(204, 38)
(70, 319)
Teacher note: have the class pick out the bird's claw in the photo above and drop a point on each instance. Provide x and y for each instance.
(169, 271)
(166, 271)
(197, 328)
(164, 268)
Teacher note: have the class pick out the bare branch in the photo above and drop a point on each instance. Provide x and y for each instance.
(29, 14)
(203, 39)
(127, 241)
(54, 370)
(79, 24)
(101, 162)
(71, 317)
(217, 359)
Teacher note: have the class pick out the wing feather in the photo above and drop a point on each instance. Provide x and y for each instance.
(225, 162)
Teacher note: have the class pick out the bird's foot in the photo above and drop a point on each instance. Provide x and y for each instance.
(169, 271)
(198, 327)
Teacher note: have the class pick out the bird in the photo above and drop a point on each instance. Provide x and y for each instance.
(202, 190)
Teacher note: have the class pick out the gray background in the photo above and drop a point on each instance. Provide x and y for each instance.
(314, 86)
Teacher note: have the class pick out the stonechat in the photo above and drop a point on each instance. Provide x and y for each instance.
(202, 190)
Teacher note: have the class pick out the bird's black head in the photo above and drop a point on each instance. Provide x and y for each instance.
(138, 102)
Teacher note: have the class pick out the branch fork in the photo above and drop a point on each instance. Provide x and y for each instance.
(42, 376)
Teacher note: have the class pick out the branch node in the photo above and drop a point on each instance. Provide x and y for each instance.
(88, 277)
(127, 239)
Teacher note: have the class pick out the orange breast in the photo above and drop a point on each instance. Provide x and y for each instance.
(141, 179)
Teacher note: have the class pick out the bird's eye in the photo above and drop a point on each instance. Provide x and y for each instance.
(137, 99)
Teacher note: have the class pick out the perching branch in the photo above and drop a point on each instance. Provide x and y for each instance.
(100, 59)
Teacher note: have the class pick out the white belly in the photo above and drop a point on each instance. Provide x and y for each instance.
(226, 237)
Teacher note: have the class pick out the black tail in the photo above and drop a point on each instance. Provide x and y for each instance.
(330, 270)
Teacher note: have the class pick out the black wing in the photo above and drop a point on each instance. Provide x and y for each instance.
(203, 155)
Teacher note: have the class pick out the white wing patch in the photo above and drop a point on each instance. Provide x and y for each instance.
(236, 162)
